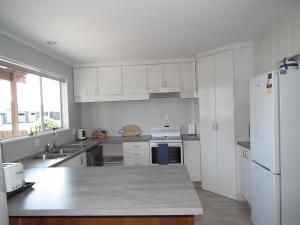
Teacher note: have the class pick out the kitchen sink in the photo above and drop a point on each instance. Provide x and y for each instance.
(78, 144)
(66, 151)
(49, 156)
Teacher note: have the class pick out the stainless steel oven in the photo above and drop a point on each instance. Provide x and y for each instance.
(175, 153)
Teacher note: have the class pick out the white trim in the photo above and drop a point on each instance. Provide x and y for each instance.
(226, 48)
(15, 139)
(135, 62)
(30, 44)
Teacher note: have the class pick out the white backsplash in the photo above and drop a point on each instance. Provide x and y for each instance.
(111, 116)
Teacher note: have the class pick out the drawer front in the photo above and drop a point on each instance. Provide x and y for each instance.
(136, 161)
(136, 145)
(136, 152)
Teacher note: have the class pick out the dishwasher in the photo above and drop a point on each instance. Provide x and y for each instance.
(113, 155)
(94, 156)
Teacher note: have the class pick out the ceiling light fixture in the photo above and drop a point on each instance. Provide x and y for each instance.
(51, 43)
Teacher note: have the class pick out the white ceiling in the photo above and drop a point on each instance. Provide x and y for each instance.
(113, 30)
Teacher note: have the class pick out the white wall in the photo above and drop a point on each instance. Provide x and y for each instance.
(111, 116)
(13, 49)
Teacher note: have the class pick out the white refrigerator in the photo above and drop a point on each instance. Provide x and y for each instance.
(3, 202)
(275, 146)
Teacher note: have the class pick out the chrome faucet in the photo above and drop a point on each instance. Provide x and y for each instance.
(51, 148)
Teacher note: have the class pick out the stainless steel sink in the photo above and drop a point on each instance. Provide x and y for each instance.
(66, 151)
(48, 156)
(78, 144)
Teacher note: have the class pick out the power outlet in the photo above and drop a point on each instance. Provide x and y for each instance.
(166, 116)
(37, 142)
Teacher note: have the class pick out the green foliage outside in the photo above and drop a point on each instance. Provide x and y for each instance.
(37, 128)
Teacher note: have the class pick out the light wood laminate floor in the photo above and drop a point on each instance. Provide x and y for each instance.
(222, 211)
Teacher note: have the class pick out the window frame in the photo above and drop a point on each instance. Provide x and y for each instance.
(64, 125)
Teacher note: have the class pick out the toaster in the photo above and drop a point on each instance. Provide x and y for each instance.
(14, 176)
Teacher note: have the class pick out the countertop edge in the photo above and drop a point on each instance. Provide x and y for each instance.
(244, 144)
(108, 212)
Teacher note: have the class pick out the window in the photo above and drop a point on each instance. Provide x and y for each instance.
(29, 103)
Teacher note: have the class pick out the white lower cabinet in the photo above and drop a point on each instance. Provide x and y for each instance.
(136, 153)
(192, 159)
(77, 161)
(243, 171)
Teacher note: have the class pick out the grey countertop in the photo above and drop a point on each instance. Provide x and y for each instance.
(187, 137)
(107, 191)
(35, 163)
(245, 144)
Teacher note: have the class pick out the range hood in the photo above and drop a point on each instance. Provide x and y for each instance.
(165, 93)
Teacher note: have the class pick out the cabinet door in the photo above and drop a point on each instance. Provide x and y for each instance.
(207, 118)
(295, 36)
(188, 80)
(172, 76)
(85, 82)
(242, 171)
(225, 124)
(282, 43)
(155, 77)
(264, 56)
(135, 79)
(110, 80)
(192, 159)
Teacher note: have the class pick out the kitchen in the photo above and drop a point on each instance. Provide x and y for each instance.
(150, 90)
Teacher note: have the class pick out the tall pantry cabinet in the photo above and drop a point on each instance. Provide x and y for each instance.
(223, 95)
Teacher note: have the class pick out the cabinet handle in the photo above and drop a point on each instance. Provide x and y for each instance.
(213, 126)
(217, 126)
(81, 160)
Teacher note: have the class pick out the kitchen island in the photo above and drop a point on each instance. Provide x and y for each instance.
(110, 195)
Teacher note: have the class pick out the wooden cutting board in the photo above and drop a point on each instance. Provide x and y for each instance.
(130, 130)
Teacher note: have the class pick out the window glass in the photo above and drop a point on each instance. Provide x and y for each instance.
(52, 103)
(5, 105)
(29, 104)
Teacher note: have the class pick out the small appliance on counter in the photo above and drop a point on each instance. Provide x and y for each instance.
(81, 135)
(99, 134)
(14, 176)
(192, 129)
(130, 131)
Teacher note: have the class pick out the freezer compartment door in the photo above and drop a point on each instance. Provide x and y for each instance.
(264, 121)
(265, 196)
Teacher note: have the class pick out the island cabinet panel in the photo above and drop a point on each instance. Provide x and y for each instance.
(126, 220)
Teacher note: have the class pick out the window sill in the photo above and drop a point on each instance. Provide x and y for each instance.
(16, 139)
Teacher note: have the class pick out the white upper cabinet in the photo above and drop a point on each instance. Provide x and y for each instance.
(264, 56)
(155, 77)
(135, 79)
(295, 36)
(172, 76)
(110, 80)
(85, 82)
(282, 43)
(188, 80)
